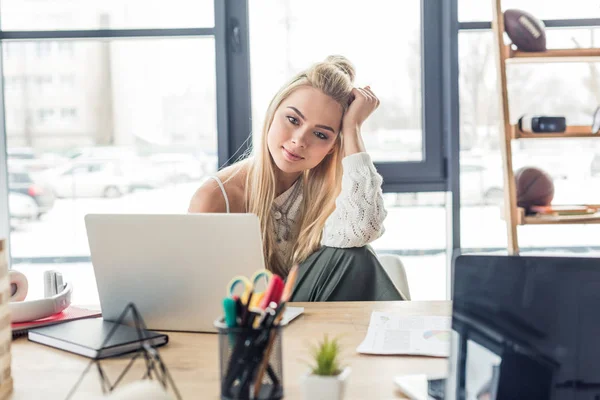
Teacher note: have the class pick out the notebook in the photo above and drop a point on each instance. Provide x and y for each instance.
(69, 314)
(85, 337)
(564, 210)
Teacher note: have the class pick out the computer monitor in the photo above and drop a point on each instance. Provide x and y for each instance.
(525, 327)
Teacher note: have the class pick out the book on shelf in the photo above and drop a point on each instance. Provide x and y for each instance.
(557, 210)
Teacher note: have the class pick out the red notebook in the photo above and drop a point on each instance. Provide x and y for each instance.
(71, 313)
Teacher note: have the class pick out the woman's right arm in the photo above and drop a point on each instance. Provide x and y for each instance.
(208, 199)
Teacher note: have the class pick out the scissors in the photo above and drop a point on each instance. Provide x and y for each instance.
(250, 286)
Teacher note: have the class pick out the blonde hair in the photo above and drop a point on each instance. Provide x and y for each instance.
(321, 184)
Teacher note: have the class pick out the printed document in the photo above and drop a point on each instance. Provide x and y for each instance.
(390, 333)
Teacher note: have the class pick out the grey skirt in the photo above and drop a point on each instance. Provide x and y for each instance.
(350, 274)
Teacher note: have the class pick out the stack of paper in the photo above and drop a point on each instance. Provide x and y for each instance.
(390, 333)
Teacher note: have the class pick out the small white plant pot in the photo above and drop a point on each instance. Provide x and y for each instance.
(316, 387)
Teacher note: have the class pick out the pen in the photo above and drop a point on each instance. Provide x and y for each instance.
(265, 360)
(246, 310)
(229, 307)
(273, 292)
(272, 328)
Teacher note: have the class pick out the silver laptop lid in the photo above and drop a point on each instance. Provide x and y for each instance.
(173, 267)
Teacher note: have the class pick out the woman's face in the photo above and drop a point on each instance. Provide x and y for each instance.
(304, 129)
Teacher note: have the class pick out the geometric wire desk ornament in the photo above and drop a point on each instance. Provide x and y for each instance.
(155, 367)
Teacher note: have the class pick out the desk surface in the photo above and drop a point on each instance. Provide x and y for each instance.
(43, 372)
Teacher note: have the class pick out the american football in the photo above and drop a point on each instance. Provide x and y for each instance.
(526, 31)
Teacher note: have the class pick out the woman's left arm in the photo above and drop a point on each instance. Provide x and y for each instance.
(359, 210)
(359, 214)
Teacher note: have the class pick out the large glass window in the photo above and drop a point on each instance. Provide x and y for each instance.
(129, 124)
(415, 229)
(117, 126)
(294, 36)
(287, 36)
(23, 15)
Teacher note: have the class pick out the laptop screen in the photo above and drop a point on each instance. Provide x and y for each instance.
(525, 327)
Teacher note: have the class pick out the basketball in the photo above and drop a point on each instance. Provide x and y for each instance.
(526, 31)
(534, 186)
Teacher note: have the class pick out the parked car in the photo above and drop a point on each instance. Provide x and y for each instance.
(177, 168)
(141, 174)
(89, 179)
(22, 182)
(22, 207)
(100, 153)
(32, 161)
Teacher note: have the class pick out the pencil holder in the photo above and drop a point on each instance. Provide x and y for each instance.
(248, 356)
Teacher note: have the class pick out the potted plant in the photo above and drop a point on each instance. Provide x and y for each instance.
(327, 378)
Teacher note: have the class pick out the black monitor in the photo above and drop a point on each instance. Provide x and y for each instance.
(525, 327)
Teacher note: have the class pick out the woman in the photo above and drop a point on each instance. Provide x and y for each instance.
(314, 188)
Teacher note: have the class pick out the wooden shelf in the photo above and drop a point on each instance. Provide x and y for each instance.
(552, 55)
(557, 220)
(572, 131)
(506, 55)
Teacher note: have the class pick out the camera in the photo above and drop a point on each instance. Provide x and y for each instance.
(542, 124)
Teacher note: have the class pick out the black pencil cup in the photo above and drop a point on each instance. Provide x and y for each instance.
(242, 352)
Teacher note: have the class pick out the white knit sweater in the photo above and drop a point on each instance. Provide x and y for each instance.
(359, 213)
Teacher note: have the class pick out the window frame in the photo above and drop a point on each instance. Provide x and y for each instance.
(438, 171)
(233, 95)
(232, 70)
(431, 173)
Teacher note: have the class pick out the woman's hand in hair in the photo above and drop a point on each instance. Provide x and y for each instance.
(363, 103)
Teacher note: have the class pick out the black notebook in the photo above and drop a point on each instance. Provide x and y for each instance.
(85, 337)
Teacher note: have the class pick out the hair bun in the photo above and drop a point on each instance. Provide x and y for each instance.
(343, 64)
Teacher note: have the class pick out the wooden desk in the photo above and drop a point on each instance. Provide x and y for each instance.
(44, 372)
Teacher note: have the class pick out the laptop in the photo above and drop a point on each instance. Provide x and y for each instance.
(525, 327)
(175, 268)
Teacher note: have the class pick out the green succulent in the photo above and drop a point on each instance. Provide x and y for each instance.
(326, 357)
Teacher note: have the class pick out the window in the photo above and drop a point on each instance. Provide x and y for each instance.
(43, 80)
(291, 43)
(43, 49)
(68, 113)
(18, 177)
(422, 250)
(148, 107)
(66, 48)
(291, 36)
(403, 141)
(105, 14)
(44, 114)
(130, 148)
